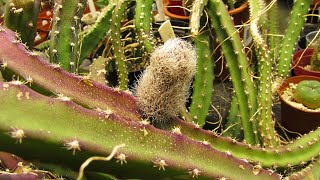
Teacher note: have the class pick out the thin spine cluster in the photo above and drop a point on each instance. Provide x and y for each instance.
(297, 19)
(237, 64)
(64, 44)
(203, 80)
(143, 24)
(117, 45)
(22, 16)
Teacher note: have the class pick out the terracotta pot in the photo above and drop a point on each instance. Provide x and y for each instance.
(294, 119)
(301, 59)
(175, 12)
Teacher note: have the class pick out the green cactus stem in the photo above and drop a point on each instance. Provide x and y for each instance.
(233, 126)
(307, 92)
(143, 24)
(264, 114)
(95, 33)
(297, 19)
(71, 134)
(203, 82)
(196, 13)
(54, 79)
(117, 44)
(238, 67)
(312, 171)
(94, 95)
(64, 40)
(22, 16)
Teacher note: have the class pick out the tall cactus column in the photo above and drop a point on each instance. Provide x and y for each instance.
(22, 16)
(64, 45)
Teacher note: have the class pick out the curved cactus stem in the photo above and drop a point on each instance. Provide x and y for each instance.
(22, 17)
(196, 13)
(92, 37)
(71, 134)
(297, 19)
(53, 78)
(203, 83)
(238, 67)
(143, 24)
(312, 171)
(64, 40)
(298, 152)
(233, 126)
(117, 45)
(265, 121)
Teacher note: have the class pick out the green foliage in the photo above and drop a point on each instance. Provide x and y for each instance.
(307, 92)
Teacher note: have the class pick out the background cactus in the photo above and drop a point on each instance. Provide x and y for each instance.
(83, 119)
(307, 92)
(315, 59)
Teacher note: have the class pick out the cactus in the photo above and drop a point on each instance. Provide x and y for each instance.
(83, 120)
(163, 88)
(297, 19)
(307, 92)
(22, 16)
(64, 44)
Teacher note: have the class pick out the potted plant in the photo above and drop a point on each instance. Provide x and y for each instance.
(306, 61)
(300, 101)
(52, 115)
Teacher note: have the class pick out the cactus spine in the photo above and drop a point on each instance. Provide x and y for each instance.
(22, 16)
(64, 44)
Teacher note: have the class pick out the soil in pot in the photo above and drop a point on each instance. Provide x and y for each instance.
(295, 117)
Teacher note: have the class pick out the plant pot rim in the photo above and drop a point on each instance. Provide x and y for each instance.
(295, 80)
(297, 59)
(175, 16)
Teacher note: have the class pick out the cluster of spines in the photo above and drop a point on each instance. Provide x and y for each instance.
(64, 44)
(203, 80)
(143, 24)
(117, 45)
(22, 16)
(237, 65)
(297, 19)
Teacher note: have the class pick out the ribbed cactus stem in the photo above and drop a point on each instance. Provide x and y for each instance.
(233, 126)
(297, 19)
(143, 24)
(64, 44)
(238, 66)
(54, 79)
(93, 36)
(196, 13)
(203, 81)
(71, 134)
(22, 16)
(117, 44)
